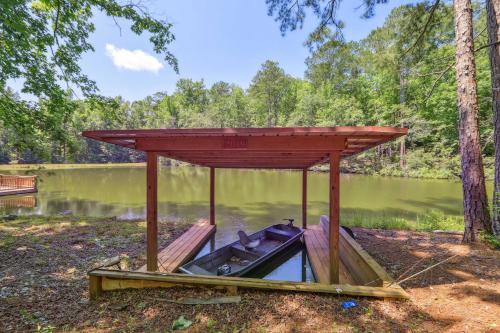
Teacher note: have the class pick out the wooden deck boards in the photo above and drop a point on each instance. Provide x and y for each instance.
(318, 253)
(183, 248)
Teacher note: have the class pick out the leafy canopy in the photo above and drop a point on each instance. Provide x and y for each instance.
(41, 43)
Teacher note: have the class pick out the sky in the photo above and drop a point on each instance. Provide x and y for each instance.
(216, 40)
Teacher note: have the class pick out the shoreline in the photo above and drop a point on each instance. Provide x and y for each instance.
(318, 168)
(63, 166)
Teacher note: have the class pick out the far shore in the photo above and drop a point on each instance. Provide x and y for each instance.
(49, 166)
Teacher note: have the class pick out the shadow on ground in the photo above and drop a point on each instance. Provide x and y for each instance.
(43, 283)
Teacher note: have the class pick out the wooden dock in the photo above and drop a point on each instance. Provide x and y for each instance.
(357, 267)
(183, 248)
(318, 253)
(13, 184)
(360, 275)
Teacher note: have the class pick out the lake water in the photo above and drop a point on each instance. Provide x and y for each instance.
(248, 200)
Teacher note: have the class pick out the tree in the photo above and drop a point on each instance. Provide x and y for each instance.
(291, 14)
(41, 43)
(493, 24)
(268, 89)
(476, 213)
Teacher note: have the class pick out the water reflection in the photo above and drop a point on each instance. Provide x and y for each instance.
(11, 203)
(249, 199)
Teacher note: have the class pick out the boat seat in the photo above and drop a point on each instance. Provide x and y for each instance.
(279, 232)
(246, 241)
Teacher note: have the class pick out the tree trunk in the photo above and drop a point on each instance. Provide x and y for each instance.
(476, 214)
(402, 101)
(493, 12)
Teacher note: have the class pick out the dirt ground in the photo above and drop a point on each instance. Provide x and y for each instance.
(43, 286)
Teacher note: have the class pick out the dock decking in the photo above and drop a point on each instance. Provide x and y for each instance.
(184, 247)
(318, 253)
(357, 267)
(13, 184)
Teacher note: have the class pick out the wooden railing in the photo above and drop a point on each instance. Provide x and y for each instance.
(14, 182)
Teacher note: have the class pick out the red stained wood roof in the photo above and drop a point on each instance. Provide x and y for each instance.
(273, 148)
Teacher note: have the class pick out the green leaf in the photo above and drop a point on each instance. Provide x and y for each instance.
(181, 323)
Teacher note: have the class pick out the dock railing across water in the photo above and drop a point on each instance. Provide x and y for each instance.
(15, 182)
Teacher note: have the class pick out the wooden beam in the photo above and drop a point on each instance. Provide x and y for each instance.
(304, 198)
(114, 280)
(251, 143)
(212, 196)
(152, 212)
(334, 216)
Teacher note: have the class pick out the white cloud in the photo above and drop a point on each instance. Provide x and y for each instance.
(135, 60)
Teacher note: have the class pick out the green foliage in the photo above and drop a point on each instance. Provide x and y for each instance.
(40, 324)
(271, 92)
(371, 82)
(41, 44)
(493, 240)
(432, 220)
(181, 323)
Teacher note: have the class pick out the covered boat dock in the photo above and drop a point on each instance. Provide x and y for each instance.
(339, 263)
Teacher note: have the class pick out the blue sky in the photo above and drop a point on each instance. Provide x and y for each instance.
(216, 40)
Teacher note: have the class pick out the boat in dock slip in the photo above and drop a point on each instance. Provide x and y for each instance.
(249, 252)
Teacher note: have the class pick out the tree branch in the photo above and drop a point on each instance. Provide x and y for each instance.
(434, 85)
(424, 30)
(487, 45)
(56, 22)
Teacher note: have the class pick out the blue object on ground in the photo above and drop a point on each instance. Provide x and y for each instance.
(349, 304)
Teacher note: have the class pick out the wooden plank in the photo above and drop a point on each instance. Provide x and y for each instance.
(184, 247)
(258, 143)
(176, 251)
(178, 246)
(95, 286)
(334, 216)
(193, 244)
(304, 198)
(198, 280)
(318, 252)
(281, 131)
(152, 212)
(368, 267)
(345, 275)
(362, 269)
(315, 255)
(249, 154)
(212, 196)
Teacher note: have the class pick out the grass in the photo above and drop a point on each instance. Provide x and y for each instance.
(493, 240)
(14, 167)
(34, 229)
(433, 220)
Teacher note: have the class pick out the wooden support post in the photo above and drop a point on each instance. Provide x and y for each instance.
(212, 196)
(304, 198)
(334, 216)
(152, 212)
(95, 286)
(212, 243)
(304, 265)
